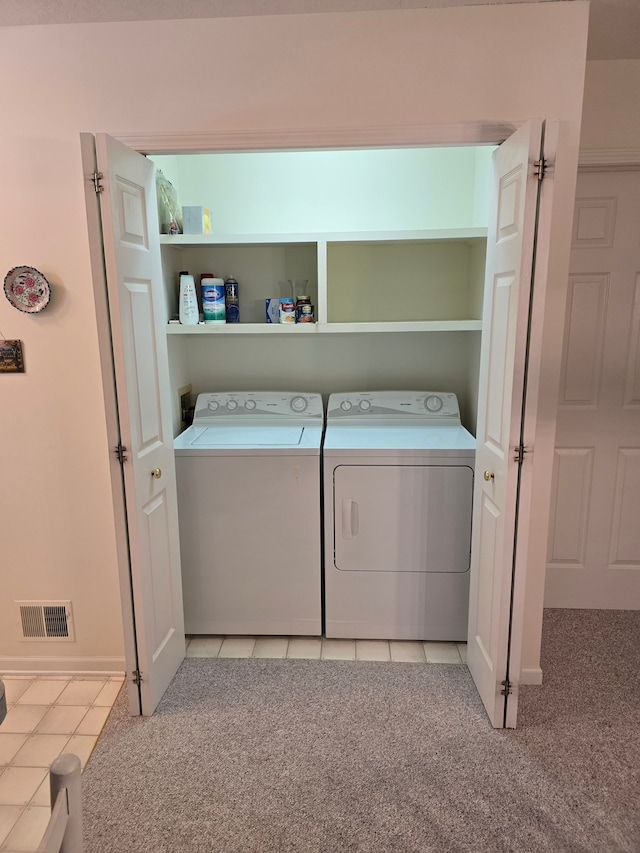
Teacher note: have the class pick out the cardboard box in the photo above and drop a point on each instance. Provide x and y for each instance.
(196, 220)
(272, 307)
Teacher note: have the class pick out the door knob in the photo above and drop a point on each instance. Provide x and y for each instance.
(156, 473)
(488, 475)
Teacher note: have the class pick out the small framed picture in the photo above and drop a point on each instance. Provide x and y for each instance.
(11, 360)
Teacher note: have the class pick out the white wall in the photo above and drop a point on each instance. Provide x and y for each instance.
(395, 70)
(314, 191)
(611, 114)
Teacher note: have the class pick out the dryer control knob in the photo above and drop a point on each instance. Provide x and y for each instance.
(345, 405)
(298, 404)
(232, 405)
(364, 405)
(433, 403)
(213, 405)
(250, 405)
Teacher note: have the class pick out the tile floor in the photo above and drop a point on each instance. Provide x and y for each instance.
(46, 716)
(320, 648)
(51, 714)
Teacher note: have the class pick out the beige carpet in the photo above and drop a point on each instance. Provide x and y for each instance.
(331, 756)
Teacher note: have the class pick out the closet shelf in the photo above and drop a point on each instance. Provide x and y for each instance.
(370, 237)
(358, 281)
(326, 328)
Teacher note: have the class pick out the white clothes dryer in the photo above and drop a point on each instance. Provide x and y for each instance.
(398, 490)
(248, 476)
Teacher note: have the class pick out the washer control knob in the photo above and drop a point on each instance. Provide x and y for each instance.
(299, 404)
(345, 405)
(213, 405)
(433, 403)
(364, 405)
(250, 405)
(232, 405)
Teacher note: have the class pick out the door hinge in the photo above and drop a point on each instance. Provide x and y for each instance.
(506, 687)
(120, 451)
(96, 177)
(539, 168)
(136, 677)
(519, 453)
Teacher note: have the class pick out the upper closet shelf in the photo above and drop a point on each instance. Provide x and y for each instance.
(178, 240)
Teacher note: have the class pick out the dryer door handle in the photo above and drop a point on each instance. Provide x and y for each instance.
(349, 518)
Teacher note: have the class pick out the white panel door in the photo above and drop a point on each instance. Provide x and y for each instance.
(136, 306)
(499, 480)
(594, 536)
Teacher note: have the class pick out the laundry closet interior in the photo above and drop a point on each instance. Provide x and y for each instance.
(391, 245)
(391, 242)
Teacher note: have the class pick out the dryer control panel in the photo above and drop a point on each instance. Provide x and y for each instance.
(417, 407)
(257, 406)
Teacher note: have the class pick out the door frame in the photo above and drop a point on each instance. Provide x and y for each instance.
(529, 422)
(468, 133)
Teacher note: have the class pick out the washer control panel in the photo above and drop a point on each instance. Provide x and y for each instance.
(387, 406)
(212, 408)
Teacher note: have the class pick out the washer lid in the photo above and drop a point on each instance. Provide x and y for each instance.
(248, 436)
(246, 440)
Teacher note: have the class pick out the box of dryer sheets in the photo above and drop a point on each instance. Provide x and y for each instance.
(196, 220)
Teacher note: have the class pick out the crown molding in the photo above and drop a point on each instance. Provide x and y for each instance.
(608, 159)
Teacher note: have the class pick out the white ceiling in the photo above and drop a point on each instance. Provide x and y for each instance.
(614, 29)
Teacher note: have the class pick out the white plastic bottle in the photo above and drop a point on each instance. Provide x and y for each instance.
(188, 310)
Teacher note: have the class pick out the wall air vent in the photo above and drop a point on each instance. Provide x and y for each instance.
(46, 620)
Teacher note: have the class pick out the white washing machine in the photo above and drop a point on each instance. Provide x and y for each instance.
(248, 475)
(398, 490)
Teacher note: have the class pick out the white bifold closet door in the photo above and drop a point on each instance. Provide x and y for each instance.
(144, 482)
(515, 282)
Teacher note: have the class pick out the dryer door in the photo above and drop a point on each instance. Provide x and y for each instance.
(392, 518)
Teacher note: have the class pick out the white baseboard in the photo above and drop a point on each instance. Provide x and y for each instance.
(533, 675)
(62, 666)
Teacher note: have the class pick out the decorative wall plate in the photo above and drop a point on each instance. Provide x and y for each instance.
(27, 289)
